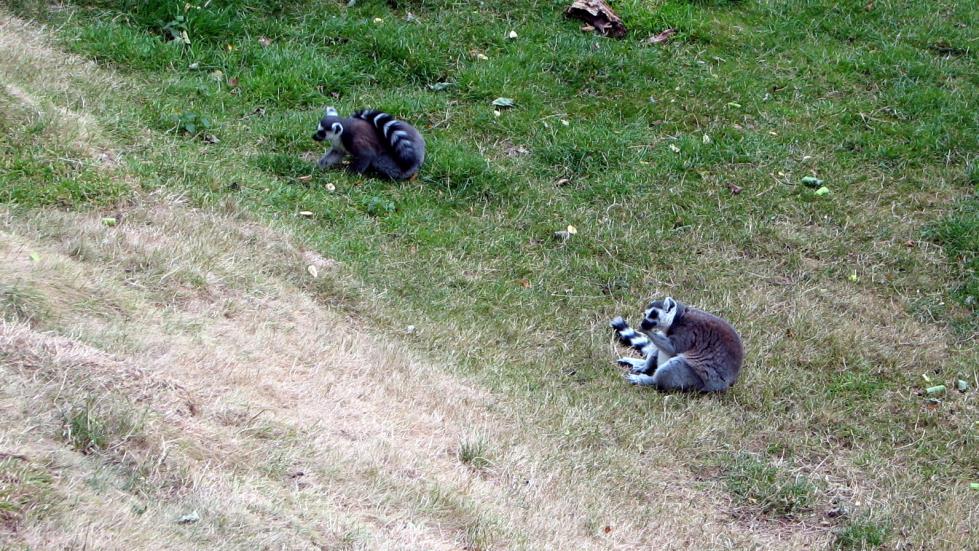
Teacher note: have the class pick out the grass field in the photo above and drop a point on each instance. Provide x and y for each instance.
(182, 358)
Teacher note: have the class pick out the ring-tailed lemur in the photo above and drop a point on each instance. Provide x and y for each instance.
(376, 141)
(684, 349)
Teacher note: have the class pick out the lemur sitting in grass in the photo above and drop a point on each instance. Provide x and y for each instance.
(376, 142)
(684, 349)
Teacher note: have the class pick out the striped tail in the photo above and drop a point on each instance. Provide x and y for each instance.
(395, 134)
(632, 338)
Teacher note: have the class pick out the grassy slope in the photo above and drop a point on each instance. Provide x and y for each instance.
(878, 103)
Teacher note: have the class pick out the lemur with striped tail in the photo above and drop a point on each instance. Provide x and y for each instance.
(683, 349)
(376, 142)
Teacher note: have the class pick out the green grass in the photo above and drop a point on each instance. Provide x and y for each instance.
(861, 535)
(472, 452)
(958, 233)
(26, 491)
(878, 103)
(759, 485)
(20, 302)
(96, 425)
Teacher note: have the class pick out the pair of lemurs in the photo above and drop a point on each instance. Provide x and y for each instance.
(684, 348)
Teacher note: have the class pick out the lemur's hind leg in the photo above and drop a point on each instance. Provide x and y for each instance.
(384, 164)
(360, 165)
(677, 374)
(332, 157)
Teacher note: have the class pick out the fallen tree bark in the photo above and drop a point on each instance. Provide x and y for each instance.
(599, 15)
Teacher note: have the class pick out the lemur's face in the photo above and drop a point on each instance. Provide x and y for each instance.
(329, 128)
(659, 315)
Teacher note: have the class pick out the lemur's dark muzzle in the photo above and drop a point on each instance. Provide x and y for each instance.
(319, 136)
(646, 325)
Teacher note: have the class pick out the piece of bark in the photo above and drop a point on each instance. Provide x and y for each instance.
(662, 37)
(597, 14)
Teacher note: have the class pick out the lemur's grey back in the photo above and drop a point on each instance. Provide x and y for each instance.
(710, 345)
(405, 143)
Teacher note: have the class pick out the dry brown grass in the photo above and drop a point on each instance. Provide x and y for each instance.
(282, 423)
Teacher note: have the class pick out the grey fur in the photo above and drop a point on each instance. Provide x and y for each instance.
(694, 350)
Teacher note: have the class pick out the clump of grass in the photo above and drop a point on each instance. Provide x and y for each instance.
(472, 452)
(21, 303)
(25, 489)
(862, 534)
(93, 425)
(763, 486)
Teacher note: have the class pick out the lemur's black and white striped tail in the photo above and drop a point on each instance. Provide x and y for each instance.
(396, 135)
(632, 338)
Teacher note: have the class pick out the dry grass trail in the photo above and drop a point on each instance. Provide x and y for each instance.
(187, 362)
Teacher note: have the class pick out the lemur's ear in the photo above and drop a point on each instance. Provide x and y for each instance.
(669, 303)
(337, 128)
(332, 111)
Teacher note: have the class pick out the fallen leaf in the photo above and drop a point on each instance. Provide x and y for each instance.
(587, 28)
(211, 138)
(411, 330)
(674, 148)
(734, 189)
(194, 66)
(822, 191)
(265, 41)
(313, 271)
(937, 389)
(974, 485)
(607, 529)
(565, 122)
(733, 104)
(305, 178)
(962, 385)
(481, 57)
(511, 35)
(503, 102)
(516, 151)
(109, 221)
(35, 257)
(378, 20)
(662, 37)
(306, 213)
(811, 181)
(233, 82)
(331, 187)
(853, 277)
(217, 74)
(439, 86)
(562, 182)
(189, 518)
(525, 283)
(572, 230)
(706, 139)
